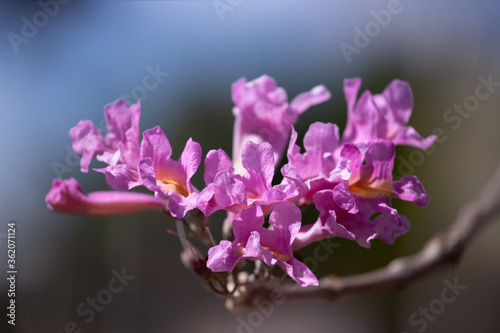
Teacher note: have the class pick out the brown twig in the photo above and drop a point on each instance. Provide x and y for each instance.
(443, 249)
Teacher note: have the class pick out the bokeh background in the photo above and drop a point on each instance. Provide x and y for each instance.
(88, 54)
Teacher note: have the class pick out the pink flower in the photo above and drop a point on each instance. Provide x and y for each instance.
(262, 113)
(87, 142)
(119, 148)
(168, 178)
(66, 196)
(326, 226)
(371, 221)
(373, 180)
(382, 116)
(227, 189)
(362, 204)
(272, 246)
(360, 208)
(317, 168)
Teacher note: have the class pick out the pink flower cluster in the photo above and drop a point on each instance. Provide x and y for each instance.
(348, 179)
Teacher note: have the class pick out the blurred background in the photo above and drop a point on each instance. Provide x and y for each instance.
(62, 61)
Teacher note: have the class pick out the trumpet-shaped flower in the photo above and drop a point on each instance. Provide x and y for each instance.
(262, 113)
(66, 196)
(317, 168)
(326, 226)
(229, 190)
(224, 189)
(168, 178)
(368, 192)
(373, 180)
(272, 246)
(119, 148)
(371, 221)
(382, 116)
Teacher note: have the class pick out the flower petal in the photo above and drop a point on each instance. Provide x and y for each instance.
(409, 188)
(221, 257)
(120, 177)
(190, 158)
(87, 141)
(224, 192)
(155, 145)
(216, 160)
(304, 101)
(258, 160)
(247, 221)
(123, 128)
(300, 273)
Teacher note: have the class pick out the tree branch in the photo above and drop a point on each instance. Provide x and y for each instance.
(443, 249)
